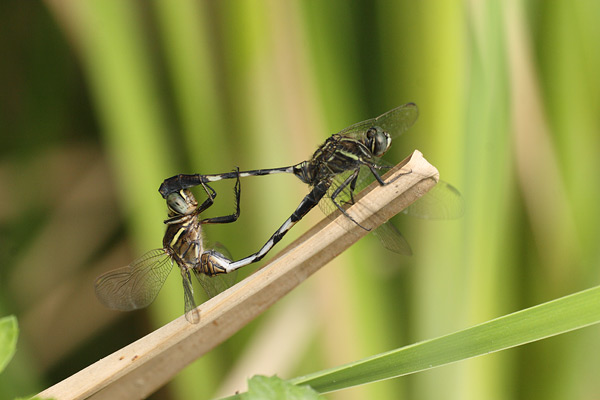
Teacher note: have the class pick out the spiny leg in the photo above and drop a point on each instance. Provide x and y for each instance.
(353, 188)
(379, 179)
(213, 263)
(210, 192)
(231, 217)
(347, 183)
(376, 174)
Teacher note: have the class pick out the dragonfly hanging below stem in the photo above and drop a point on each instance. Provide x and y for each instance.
(136, 285)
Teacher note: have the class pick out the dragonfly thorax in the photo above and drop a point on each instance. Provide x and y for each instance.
(303, 172)
(377, 141)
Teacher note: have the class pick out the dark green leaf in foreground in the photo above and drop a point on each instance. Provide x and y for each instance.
(273, 388)
(9, 332)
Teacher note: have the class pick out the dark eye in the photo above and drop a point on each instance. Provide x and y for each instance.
(182, 202)
(378, 141)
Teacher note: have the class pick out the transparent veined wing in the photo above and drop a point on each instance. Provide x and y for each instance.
(136, 285)
(443, 201)
(398, 120)
(394, 122)
(390, 237)
(348, 191)
(341, 192)
(191, 312)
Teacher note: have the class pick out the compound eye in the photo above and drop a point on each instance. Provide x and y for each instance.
(378, 141)
(182, 202)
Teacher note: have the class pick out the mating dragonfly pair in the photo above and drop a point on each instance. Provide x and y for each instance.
(339, 168)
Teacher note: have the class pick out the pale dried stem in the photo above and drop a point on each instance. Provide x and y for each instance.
(142, 367)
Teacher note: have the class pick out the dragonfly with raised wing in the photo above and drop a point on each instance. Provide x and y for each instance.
(136, 285)
(345, 163)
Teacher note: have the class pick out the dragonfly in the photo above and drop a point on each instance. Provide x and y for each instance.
(346, 162)
(136, 285)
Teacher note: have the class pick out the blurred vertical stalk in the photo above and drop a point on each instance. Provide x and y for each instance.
(272, 115)
(109, 38)
(545, 197)
(459, 86)
(440, 271)
(568, 71)
(343, 46)
(188, 49)
(566, 232)
(491, 226)
(573, 88)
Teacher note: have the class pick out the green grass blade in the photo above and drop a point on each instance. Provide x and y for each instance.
(548, 319)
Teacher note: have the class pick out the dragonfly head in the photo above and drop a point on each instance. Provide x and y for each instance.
(182, 202)
(377, 141)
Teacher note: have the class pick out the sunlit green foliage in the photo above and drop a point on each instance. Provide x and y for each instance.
(106, 98)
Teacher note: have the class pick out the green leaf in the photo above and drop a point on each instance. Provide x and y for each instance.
(9, 331)
(548, 319)
(267, 388)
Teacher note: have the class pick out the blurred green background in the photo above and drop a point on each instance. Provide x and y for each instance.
(101, 100)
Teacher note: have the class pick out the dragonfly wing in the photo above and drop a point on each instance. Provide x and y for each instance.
(346, 196)
(398, 120)
(136, 285)
(213, 285)
(191, 312)
(357, 131)
(391, 238)
(394, 122)
(364, 179)
(443, 201)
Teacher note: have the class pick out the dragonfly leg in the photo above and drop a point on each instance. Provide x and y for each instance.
(353, 188)
(228, 218)
(376, 174)
(210, 192)
(378, 177)
(213, 262)
(350, 181)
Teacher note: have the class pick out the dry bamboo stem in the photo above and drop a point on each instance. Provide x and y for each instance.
(142, 367)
